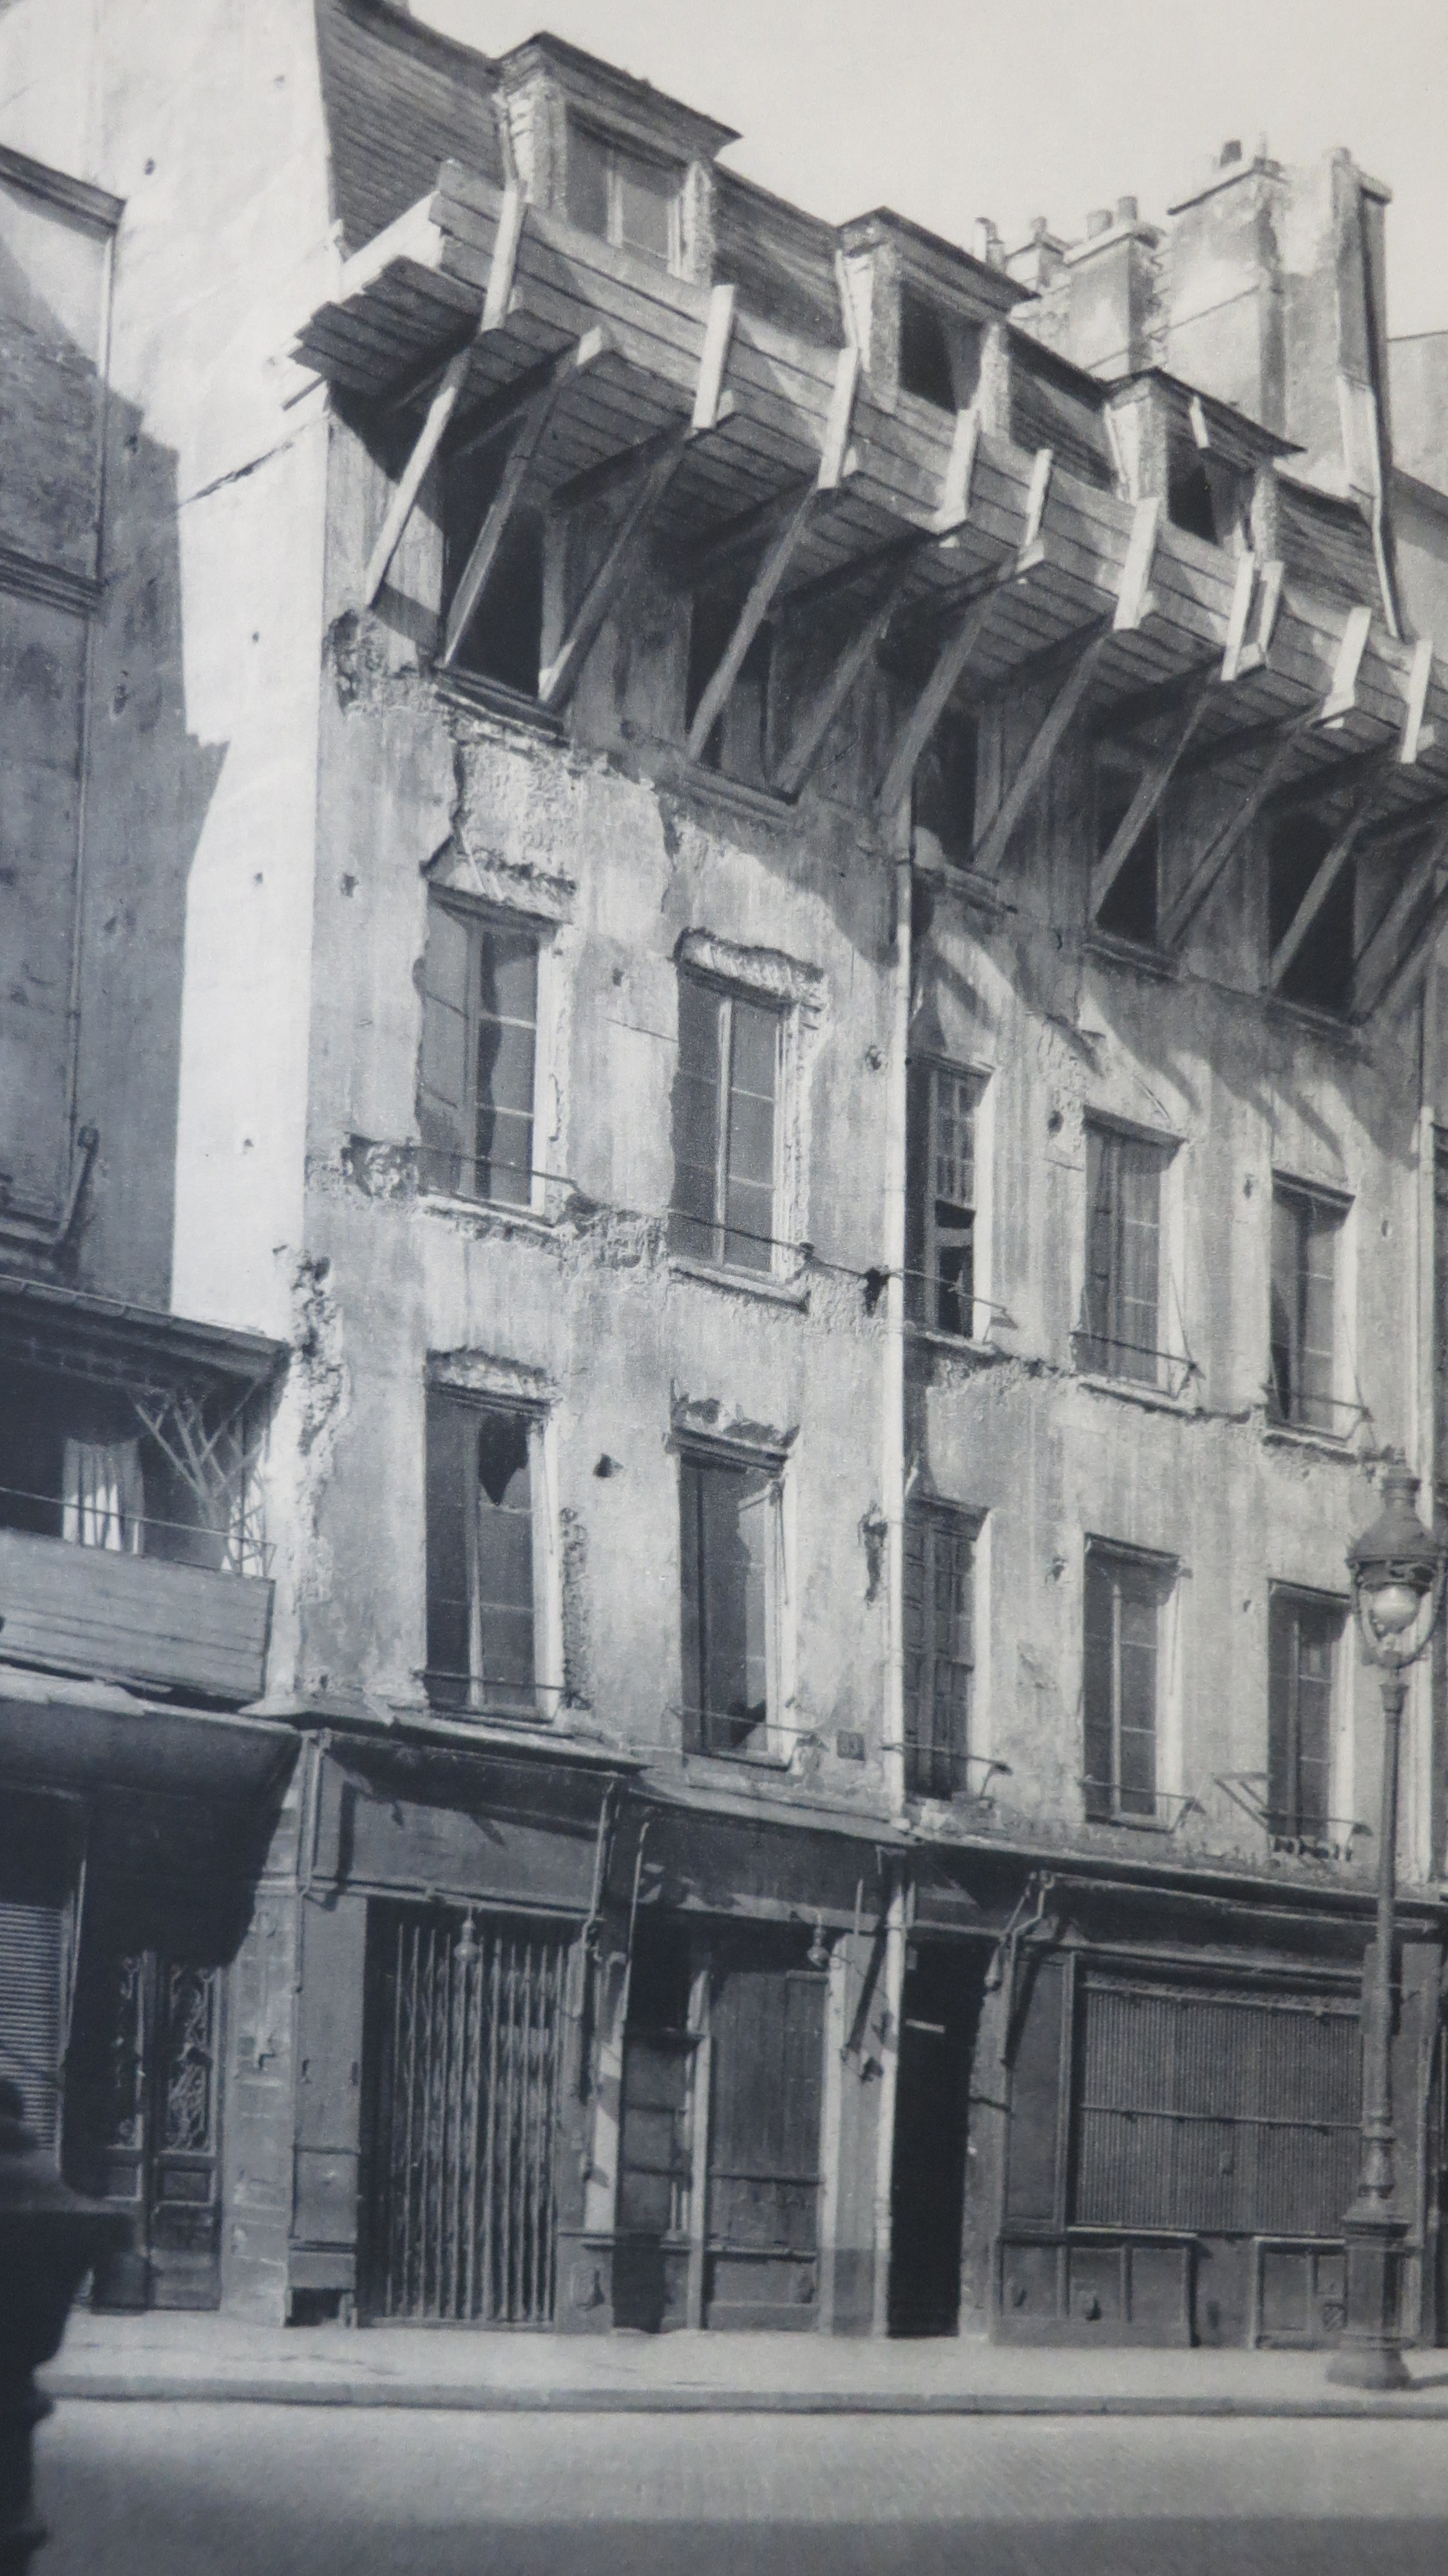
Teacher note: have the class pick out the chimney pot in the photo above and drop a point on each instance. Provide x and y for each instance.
(1127, 210)
(1039, 227)
(1229, 153)
(1098, 222)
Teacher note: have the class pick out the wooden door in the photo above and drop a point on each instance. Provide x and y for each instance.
(148, 2117)
(767, 2060)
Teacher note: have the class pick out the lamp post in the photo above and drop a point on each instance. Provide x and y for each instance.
(49, 2239)
(1397, 1569)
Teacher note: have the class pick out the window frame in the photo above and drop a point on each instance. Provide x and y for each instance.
(1104, 1799)
(465, 1694)
(479, 923)
(729, 993)
(924, 1288)
(1294, 1414)
(1288, 1825)
(1102, 1355)
(617, 150)
(763, 1741)
(924, 1514)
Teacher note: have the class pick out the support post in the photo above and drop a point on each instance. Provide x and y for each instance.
(478, 568)
(990, 849)
(1371, 2356)
(1378, 958)
(1155, 780)
(1214, 858)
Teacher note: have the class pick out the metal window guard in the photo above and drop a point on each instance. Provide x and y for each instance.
(1177, 1367)
(1163, 1801)
(1285, 1834)
(958, 1766)
(1298, 1415)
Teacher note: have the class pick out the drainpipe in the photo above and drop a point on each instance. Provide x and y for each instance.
(891, 2000)
(892, 1463)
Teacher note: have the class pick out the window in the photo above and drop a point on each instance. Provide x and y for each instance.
(940, 1210)
(737, 746)
(1321, 971)
(503, 638)
(939, 1648)
(1303, 1635)
(725, 1095)
(1121, 1332)
(622, 197)
(925, 367)
(1129, 910)
(730, 1541)
(479, 1045)
(482, 1463)
(1125, 1596)
(1304, 1247)
(943, 792)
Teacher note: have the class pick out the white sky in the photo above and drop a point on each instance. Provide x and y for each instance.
(949, 109)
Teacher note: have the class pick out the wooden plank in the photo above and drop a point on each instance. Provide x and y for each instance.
(556, 679)
(991, 847)
(751, 617)
(1378, 958)
(117, 1617)
(1342, 696)
(1416, 959)
(503, 268)
(1210, 866)
(1136, 600)
(714, 357)
(1334, 859)
(949, 668)
(1417, 736)
(1155, 780)
(429, 440)
(479, 565)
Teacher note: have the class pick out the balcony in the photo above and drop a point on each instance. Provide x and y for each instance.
(134, 1619)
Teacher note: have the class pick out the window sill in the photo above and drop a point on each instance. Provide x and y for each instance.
(1114, 951)
(777, 1763)
(1154, 1398)
(746, 1283)
(1327, 1024)
(1322, 1444)
(1132, 1824)
(956, 1345)
(966, 884)
(711, 787)
(495, 1215)
(494, 698)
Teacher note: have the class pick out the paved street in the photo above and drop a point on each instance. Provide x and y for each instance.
(239, 2490)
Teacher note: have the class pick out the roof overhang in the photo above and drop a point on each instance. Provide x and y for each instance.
(86, 1737)
(45, 1325)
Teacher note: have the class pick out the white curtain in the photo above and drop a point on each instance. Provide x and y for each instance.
(104, 1505)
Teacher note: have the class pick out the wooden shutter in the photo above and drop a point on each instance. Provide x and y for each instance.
(1098, 1682)
(1100, 1268)
(1039, 2099)
(507, 1030)
(1281, 1712)
(504, 1503)
(918, 1301)
(1136, 1325)
(748, 1210)
(442, 1096)
(697, 1109)
(452, 1430)
(32, 2010)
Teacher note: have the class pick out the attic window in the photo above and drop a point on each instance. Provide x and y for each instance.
(1129, 909)
(925, 367)
(503, 639)
(1321, 970)
(1204, 495)
(623, 197)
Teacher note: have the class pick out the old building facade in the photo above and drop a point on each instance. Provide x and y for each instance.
(751, 909)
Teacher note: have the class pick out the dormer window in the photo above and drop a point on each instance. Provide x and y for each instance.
(924, 352)
(623, 197)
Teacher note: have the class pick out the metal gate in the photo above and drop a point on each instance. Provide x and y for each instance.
(143, 2121)
(467, 2023)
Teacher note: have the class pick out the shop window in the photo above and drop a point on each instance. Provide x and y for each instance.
(737, 746)
(624, 197)
(726, 1095)
(943, 791)
(939, 1610)
(1302, 1386)
(730, 1544)
(940, 1206)
(482, 1490)
(479, 1049)
(503, 637)
(1304, 1634)
(1121, 1332)
(1126, 1595)
(1130, 908)
(1321, 971)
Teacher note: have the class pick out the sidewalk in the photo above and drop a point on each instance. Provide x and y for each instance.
(204, 2358)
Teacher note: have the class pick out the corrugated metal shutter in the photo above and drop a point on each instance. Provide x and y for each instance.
(1229, 2113)
(32, 2010)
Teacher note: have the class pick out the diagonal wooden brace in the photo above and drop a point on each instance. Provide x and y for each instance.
(1378, 959)
(1182, 913)
(805, 748)
(990, 849)
(1155, 780)
(478, 569)
(1329, 869)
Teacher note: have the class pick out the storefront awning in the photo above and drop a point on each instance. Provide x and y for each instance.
(89, 1737)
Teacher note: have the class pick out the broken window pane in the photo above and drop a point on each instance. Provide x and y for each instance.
(1303, 1369)
(724, 1127)
(940, 1206)
(728, 1531)
(480, 1607)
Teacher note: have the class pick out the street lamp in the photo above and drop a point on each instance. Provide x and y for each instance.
(1397, 1570)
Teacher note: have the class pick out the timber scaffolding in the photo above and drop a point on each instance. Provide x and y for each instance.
(744, 445)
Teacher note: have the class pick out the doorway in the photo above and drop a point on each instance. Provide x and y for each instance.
(143, 2122)
(939, 2014)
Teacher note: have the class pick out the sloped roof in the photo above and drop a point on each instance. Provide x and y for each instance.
(398, 100)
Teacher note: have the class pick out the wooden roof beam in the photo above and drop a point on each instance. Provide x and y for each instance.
(444, 403)
(1329, 869)
(835, 465)
(478, 569)
(1155, 780)
(1378, 958)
